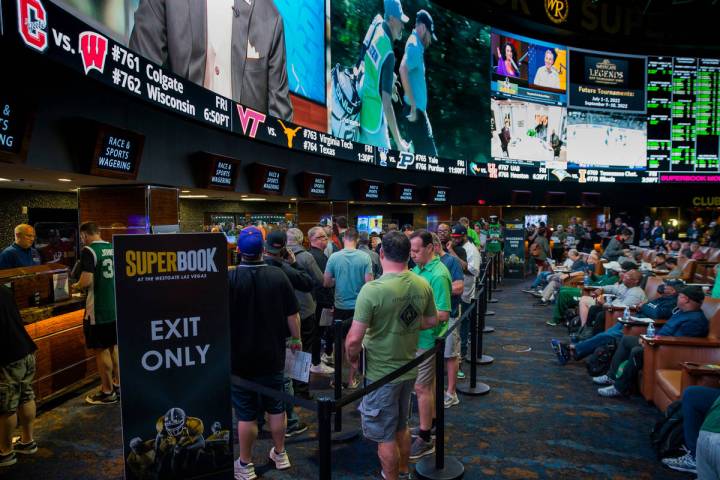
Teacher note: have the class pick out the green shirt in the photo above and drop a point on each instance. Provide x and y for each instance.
(712, 420)
(473, 236)
(392, 307)
(716, 289)
(602, 280)
(438, 276)
(100, 301)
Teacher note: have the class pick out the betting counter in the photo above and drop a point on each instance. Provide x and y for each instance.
(53, 318)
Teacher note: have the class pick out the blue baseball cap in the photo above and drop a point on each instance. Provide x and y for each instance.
(426, 19)
(394, 8)
(250, 241)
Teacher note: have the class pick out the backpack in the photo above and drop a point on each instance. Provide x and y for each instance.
(667, 436)
(599, 362)
(595, 324)
(572, 320)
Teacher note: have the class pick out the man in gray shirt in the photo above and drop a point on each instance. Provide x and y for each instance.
(627, 293)
(364, 246)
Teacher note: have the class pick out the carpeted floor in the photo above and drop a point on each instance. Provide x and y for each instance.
(540, 421)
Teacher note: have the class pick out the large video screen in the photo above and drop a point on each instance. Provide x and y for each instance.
(400, 84)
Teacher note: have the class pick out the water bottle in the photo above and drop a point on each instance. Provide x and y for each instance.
(586, 280)
(650, 330)
(626, 314)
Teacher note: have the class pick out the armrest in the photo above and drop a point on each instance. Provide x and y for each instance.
(696, 374)
(683, 341)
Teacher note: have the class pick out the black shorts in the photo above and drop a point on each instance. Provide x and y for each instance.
(347, 318)
(420, 132)
(103, 335)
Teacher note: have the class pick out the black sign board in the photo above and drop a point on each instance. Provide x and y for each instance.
(404, 192)
(173, 332)
(220, 172)
(117, 153)
(514, 253)
(15, 128)
(439, 194)
(267, 179)
(314, 185)
(370, 190)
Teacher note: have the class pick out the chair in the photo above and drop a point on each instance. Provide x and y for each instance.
(613, 313)
(661, 376)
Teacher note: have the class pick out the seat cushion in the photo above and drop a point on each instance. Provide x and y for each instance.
(670, 382)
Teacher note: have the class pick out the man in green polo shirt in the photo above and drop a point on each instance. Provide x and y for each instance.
(389, 314)
(430, 267)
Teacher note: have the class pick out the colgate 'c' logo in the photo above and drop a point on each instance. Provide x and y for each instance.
(93, 50)
(32, 24)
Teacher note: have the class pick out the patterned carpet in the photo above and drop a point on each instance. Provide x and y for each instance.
(540, 421)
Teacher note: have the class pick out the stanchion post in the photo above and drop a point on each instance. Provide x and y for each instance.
(337, 326)
(474, 388)
(489, 281)
(325, 408)
(481, 358)
(488, 293)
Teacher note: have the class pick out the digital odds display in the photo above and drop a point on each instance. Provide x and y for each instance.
(404, 85)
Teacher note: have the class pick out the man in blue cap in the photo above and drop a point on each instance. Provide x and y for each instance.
(412, 75)
(377, 117)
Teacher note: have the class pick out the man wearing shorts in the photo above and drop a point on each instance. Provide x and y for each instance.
(98, 278)
(389, 314)
(452, 342)
(17, 369)
(429, 267)
(263, 308)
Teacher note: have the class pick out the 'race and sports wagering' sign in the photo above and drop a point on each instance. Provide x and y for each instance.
(173, 335)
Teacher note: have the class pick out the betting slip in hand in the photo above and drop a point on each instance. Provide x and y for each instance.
(297, 365)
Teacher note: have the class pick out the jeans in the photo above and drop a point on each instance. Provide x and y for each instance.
(708, 456)
(696, 403)
(587, 347)
(540, 279)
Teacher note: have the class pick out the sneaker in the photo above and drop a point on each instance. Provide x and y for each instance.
(415, 432)
(25, 448)
(451, 399)
(537, 294)
(610, 391)
(401, 476)
(322, 369)
(686, 463)
(603, 380)
(529, 290)
(282, 462)
(328, 359)
(552, 323)
(560, 350)
(420, 448)
(297, 429)
(116, 389)
(460, 375)
(244, 472)
(100, 398)
(8, 459)
(355, 383)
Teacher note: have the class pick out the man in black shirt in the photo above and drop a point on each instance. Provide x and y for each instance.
(263, 311)
(324, 297)
(17, 369)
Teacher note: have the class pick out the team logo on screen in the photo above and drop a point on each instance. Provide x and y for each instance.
(289, 133)
(93, 50)
(407, 159)
(32, 24)
(250, 119)
(557, 10)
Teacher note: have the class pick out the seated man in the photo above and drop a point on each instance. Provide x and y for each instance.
(578, 268)
(695, 252)
(542, 277)
(617, 245)
(567, 297)
(627, 293)
(671, 264)
(687, 320)
(660, 308)
(658, 262)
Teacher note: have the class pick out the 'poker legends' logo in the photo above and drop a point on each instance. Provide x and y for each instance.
(557, 10)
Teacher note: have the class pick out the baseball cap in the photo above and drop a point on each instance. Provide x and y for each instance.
(250, 241)
(426, 19)
(614, 266)
(628, 265)
(276, 241)
(694, 293)
(394, 8)
(458, 230)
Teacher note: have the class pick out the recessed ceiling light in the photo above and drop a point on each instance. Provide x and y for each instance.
(5, 180)
(253, 199)
(293, 199)
(74, 189)
(64, 180)
(423, 204)
(193, 196)
(184, 191)
(243, 196)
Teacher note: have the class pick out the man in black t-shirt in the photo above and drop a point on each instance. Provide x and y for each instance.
(17, 369)
(263, 313)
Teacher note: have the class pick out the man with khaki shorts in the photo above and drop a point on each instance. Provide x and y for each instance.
(17, 370)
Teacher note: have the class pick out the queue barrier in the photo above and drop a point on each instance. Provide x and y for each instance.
(446, 468)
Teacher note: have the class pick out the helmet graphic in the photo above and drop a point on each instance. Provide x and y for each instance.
(175, 421)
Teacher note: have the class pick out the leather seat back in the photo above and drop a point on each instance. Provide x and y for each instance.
(711, 309)
(651, 287)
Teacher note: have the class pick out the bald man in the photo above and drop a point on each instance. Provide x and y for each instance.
(21, 253)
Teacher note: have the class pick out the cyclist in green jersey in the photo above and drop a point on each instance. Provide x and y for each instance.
(98, 278)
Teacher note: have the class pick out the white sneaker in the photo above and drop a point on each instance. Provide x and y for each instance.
(282, 462)
(328, 359)
(610, 391)
(451, 399)
(244, 472)
(322, 369)
(686, 463)
(603, 380)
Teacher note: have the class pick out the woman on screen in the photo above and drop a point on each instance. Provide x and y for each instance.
(506, 66)
(547, 75)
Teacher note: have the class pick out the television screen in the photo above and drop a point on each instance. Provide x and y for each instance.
(370, 223)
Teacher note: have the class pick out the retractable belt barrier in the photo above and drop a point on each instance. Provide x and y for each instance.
(324, 407)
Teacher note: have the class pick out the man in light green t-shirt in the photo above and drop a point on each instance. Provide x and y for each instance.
(429, 267)
(389, 314)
